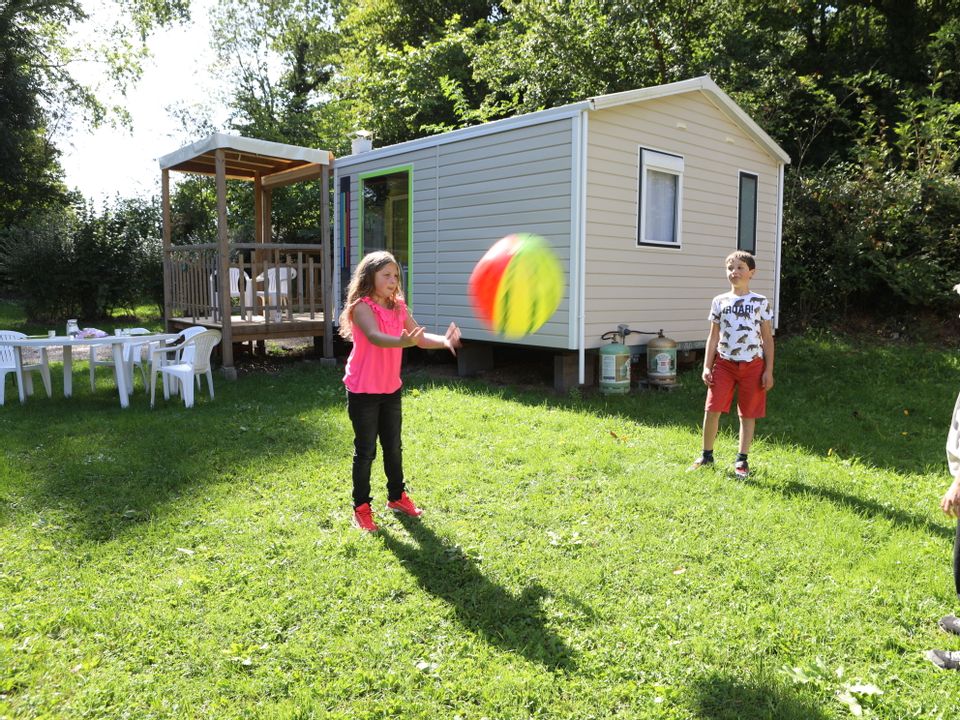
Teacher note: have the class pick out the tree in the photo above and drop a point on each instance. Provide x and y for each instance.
(29, 174)
(279, 56)
(405, 67)
(38, 93)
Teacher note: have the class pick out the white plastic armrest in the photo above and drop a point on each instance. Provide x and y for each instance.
(160, 351)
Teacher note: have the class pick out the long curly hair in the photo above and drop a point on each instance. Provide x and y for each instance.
(362, 285)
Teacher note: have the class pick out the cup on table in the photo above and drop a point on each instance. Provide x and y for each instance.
(51, 333)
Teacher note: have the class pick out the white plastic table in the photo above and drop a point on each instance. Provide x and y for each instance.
(120, 371)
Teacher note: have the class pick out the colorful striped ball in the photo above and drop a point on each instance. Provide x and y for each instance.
(517, 285)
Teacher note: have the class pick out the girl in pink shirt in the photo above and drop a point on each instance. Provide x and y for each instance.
(377, 320)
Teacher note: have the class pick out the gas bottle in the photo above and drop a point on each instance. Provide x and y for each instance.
(614, 365)
(662, 360)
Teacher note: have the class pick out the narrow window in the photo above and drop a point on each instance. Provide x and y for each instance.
(345, 249)
(385, 212)
(661, 191)
(747, 213)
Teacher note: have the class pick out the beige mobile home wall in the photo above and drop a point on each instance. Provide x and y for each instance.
(647, 287)
(468, 193)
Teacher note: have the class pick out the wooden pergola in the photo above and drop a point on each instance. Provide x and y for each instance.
(197, 278)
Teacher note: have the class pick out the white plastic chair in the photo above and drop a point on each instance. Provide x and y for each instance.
(8, 364)
(184, 371)
(182, 337)
(234, 288)
(185, 355)
(137, 353)
(277, 291)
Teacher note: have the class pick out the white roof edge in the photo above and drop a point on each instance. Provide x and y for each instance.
(518, 121)
(224, 141)
(705, 84)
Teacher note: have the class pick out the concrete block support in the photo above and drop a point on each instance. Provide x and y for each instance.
(473, 358)
(566, 371)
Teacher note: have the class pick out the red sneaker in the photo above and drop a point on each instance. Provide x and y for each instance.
(363, 518)
(405, 505)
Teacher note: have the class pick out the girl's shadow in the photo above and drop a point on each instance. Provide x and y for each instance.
(512, 622)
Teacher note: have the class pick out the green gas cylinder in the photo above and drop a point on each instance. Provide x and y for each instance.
(614, 366)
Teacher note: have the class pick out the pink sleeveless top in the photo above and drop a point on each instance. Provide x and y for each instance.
(372, 369)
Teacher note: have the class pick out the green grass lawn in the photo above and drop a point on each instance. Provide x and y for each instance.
(12, 318)
(201, 563)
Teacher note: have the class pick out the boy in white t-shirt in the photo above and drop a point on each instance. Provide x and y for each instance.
(738, 356)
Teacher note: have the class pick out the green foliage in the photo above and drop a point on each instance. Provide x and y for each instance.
(856, 240)
(279, 56)
(881, 233)
(39, 94)
(193, 211)
(395, 57)
(547, 53)
(29, 173)
(863, 95)
(36, 264)
(82, 261)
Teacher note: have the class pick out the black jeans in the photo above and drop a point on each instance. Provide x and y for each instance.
(376, 415)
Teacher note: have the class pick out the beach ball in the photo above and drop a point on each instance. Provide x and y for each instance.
(517, 285)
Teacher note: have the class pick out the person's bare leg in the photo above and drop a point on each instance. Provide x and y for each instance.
(747, 427)
(711, 424)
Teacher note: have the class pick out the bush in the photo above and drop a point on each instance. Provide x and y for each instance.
(37, 265)
(881, 233)
(858, 241)
(83, 263)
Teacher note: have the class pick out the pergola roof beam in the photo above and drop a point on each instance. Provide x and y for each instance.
(293, 175)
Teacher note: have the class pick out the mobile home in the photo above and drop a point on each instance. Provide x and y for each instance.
(641, 194)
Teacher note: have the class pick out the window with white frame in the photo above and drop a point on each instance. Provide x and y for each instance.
(747, 213)
(661, 194)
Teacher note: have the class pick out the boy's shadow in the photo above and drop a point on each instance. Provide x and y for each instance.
(510, 622)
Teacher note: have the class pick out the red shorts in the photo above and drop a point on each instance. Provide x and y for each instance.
(747, 378)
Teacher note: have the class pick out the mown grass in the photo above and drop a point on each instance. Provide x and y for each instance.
(12, 318)
(200, 564)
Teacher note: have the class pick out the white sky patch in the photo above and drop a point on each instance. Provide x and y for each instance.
(112, 161)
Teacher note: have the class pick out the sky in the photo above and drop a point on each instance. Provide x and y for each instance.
(108, 161)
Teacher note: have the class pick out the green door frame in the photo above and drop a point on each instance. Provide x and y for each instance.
(408, 169)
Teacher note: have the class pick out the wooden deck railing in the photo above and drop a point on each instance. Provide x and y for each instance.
(275, 283)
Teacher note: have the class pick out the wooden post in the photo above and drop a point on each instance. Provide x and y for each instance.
(257, 238)
(166, 255)
(223, 274)
(326, 264)
(258, 208)
(267, 216)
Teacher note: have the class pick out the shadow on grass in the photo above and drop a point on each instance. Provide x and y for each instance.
(886, 404)
(105, 470)
(792, 488)
(717, 697)
(508, 621)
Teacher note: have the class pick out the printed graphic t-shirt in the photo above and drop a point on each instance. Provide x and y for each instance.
(372, 369)
(739, 318)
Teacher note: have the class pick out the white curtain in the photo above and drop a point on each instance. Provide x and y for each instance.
(661, 207)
